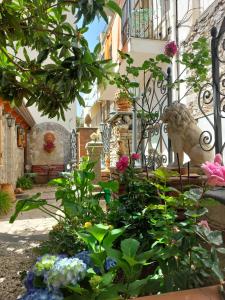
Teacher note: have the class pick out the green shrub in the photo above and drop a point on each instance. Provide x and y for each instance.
(25, 182)
(5, 203)
(62, 239)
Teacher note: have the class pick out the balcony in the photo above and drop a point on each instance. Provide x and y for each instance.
(145, 19)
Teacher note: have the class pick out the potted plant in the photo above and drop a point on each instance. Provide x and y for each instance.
(123, 101)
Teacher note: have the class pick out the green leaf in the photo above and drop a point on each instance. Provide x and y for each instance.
(221, 250)
(112, 185)
(114, 7)
(130, 247)
(197, 212)
(98, 231)
(42, 56)
(27, 204)
(215, 237)
(111, 237)
(99, 258)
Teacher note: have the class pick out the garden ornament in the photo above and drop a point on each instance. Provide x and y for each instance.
(49, 142)
(186, 136)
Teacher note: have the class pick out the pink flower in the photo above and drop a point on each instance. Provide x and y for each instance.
(122, 164)
(215, 172)
(218, 159)
(170, 49)
(135, 156)
(204, 223)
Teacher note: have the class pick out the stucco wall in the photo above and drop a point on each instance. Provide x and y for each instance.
(61, 153)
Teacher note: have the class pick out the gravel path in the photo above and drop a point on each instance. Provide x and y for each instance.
(17, 241)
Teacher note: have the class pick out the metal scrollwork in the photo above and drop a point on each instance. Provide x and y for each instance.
(73, 146)
(154, 145)
(106, 136)
(205, 141)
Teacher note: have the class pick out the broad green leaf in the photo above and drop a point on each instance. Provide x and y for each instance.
(197, 212)
(114, 7)
(130, 247)
(215, 237)
(26, 205)
(112, 236)
(98, 231)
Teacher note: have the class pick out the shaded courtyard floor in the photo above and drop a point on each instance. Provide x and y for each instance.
(17, 241)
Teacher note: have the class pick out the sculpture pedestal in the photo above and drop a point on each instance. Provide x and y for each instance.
(94, 151)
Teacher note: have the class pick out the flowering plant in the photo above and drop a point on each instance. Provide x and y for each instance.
(170, 49)
(215, 171)
(66, 271)
(42, 294)
(122, 164)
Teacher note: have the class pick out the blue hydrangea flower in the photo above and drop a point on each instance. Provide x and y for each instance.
(85, 257)
(42, 294)
(44, 264)
(29, 281)
(66, 271)
(109, 263)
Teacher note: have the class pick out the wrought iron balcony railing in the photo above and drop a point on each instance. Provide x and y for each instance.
(147, 19)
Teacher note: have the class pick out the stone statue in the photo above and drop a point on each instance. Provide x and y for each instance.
(95, 137)
(184, 134)
(87, 120)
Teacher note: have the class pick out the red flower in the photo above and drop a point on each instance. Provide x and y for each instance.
(170, 49)
(122, 164)
(135, 156)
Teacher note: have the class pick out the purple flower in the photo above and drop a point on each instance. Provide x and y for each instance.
(29, 281)
(170, 49)
(42, 294)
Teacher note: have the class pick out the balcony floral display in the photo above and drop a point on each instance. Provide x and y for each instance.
(137, 246)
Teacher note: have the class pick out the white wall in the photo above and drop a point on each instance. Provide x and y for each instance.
(70, 117)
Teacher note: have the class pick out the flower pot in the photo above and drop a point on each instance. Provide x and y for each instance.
(123, 104)
(206, 293)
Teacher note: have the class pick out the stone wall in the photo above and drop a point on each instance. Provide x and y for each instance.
(60, 155)
(213, 16)
(12, 161)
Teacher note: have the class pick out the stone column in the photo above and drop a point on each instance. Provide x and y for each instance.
(94, 151)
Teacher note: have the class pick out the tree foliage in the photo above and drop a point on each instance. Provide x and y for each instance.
(44, 58)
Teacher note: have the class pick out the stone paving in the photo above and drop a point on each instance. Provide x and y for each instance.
(17, 241)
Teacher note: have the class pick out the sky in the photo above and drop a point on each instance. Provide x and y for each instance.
(92, 36)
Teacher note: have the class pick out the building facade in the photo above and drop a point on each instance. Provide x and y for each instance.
(143, 31)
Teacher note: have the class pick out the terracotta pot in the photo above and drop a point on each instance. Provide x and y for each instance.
(206, 293)
(8, 188)
(123, 104)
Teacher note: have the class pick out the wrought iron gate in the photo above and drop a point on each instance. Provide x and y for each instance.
(153, 141)
(154, 144)
(73, 147)
(211, 99)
